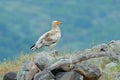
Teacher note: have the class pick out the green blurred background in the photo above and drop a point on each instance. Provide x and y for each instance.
(85, 23)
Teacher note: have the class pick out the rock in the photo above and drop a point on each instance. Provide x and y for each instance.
(47, 75)
(110, 65)
(57, 70)
(27, 72)
(10, 76)
(117, 76)
(72, 75)
(101, 47)
(82, 52)
(115, 47)
(43, 60)
(89, 71)
(66, 67)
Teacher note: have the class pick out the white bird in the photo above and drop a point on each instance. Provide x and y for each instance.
(50, 38)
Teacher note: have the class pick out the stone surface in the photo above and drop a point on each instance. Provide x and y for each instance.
(72, 75)
(110, 65)
(68, 72)
(101, 47)
(43, 60)
(10, 76)
(44, 76)
(115, 47)
(89, 71)
(117, 76)
(66, 67)
(58, 70)
(27, 71)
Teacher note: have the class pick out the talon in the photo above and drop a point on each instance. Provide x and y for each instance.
(55, 53)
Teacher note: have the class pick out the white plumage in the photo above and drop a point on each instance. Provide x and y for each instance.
(50, 38)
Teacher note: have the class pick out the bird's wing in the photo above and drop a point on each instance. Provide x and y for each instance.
(41, 38)
(48, 37)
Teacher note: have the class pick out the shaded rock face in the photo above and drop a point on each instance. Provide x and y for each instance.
(10, 76)
(117, 76)
(72, 75)
(56, 71)
(89, 71)
(44, 76)
(27, 72)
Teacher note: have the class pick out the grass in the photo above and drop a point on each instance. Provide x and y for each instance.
(14, 66)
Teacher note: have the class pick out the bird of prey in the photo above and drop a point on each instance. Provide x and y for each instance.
(50, 38)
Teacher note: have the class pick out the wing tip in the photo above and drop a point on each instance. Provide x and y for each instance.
(32, 47)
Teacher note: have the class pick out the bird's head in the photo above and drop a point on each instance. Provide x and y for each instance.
(56, 22)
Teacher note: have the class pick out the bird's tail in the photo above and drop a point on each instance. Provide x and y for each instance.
(33, 47)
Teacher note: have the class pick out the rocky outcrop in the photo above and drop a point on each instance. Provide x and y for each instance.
(46, 76)
(43, 60)
(10, 76)
(48, 67)
(89, 71)
(117, 76)
(37, 70)
(71, 75)
(27, 71)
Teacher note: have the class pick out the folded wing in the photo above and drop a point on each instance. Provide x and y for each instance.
(47, 39)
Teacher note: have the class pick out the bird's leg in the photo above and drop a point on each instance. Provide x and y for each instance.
(53, 51)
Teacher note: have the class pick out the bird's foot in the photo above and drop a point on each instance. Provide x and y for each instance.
(55, 53)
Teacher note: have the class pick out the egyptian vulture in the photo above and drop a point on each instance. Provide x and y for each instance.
(50, 38)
